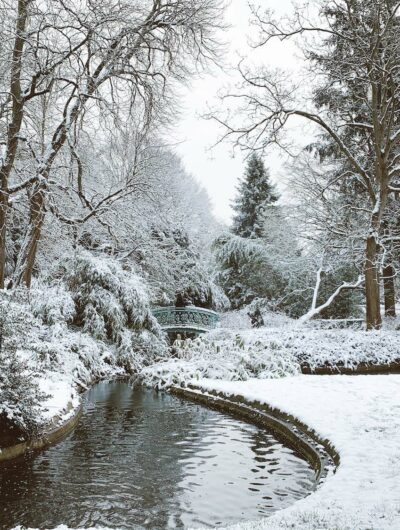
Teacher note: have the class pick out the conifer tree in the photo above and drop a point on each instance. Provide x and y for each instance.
(245, 272)
(255, 193)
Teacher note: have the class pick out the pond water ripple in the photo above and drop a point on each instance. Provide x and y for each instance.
(142, 459)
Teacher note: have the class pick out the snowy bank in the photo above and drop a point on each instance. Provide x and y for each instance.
(361, 417)
(51, 346)
(60, 396)
(60, 413)
(273, 353)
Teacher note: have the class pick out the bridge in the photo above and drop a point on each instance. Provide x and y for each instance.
(194, 320)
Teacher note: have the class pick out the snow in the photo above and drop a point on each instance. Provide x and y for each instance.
(361, 417)
(272, 353)
(44, 356)
(62, 400)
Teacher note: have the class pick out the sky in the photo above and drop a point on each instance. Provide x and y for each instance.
(219, 168)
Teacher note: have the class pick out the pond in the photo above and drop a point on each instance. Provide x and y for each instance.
(143, 459)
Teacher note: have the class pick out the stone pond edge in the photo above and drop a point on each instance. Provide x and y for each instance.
(360, 369)
(318, 452)
(53, 434)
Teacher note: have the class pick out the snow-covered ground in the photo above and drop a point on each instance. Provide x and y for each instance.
(62, 398)
(361, 417)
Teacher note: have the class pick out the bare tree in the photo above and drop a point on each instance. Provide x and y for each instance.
(355, 65)
(80, 56)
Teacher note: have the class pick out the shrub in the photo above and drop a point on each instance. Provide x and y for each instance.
(53, 304)
(21, 400)
(108, 299)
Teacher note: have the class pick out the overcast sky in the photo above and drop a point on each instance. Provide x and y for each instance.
(216, 169)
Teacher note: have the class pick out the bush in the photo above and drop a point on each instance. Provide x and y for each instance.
(108, 300)
(221, 355)
(53, 304)
(21, 400)
(20, 395)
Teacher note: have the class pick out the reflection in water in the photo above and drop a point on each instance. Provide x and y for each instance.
(141, 459)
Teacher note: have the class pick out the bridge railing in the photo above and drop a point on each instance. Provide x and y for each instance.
(186, 319)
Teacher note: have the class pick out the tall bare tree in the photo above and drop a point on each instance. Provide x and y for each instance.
(355, 68)
(81, 56)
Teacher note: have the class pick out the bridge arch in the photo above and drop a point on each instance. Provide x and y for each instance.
(186, 320)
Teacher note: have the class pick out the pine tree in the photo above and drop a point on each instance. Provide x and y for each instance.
(245, 272)
(255, 193)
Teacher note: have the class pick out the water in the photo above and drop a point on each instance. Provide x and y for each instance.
(141, 459)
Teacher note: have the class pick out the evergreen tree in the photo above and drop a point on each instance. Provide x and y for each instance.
(245, 272)
(255, 193)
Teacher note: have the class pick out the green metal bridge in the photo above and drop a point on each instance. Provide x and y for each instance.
(192, 320)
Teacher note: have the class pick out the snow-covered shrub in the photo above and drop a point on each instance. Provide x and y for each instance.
(270, 353)
(340, 347)
(220, 355)
(21, 400)
(139, 349)
(74, 354)
(20, 396)
(53, 304)
(108, 299)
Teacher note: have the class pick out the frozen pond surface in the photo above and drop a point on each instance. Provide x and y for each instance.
(142, 459)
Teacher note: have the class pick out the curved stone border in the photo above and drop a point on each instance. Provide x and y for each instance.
(320, 453)
(361, 369)
(51, 435)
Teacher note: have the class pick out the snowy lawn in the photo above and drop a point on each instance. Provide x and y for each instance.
(360, 415)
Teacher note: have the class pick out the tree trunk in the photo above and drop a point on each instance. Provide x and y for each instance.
(3, 231)
(13, 129)
(389, 290)
(28, 252)
(372, 294)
